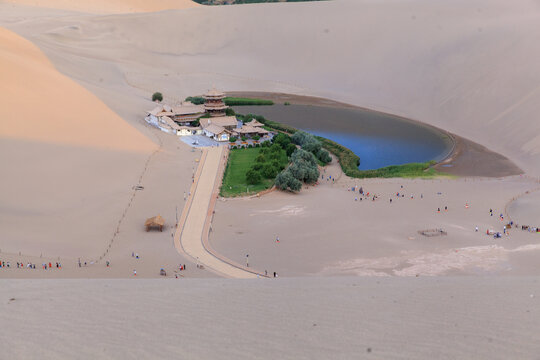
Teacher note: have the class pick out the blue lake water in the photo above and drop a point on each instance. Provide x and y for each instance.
(378, 139)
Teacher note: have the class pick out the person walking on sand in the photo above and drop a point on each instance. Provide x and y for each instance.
(277, 239)
(134, 272)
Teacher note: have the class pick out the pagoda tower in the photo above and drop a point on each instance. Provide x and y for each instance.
(213, 103)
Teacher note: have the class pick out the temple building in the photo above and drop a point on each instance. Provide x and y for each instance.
(214, 104)
(209, 119)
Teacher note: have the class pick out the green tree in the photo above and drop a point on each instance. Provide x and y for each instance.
(268, 171)
(282, 140)
(253, 177)
(290, 149)
(232, 139)
(157, 96)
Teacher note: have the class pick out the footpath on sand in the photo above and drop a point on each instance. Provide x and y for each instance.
(193, 224)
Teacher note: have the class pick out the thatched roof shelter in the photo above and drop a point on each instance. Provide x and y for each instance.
(154, 222)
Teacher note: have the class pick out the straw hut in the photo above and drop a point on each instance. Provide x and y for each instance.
(154, 222)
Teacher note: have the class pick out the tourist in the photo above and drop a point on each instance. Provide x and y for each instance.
(134, 272)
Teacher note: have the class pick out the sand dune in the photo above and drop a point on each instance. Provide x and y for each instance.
(108, 6)
(337, 318)
(40, 104)
(466, 66)
(72, 161)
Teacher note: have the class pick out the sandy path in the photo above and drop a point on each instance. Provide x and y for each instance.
(192, 232)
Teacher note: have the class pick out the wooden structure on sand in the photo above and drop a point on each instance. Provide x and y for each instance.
(156, 222)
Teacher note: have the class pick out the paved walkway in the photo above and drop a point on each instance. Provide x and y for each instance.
(191, 228)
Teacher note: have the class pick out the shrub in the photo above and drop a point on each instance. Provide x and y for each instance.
(157, 96)
(312, 145)
(253, 177)
(233, 139)
(257, 166)
(302, 155)
(324, 156)
(257, 145)
(266, 144)
(260, 158)
(256, 137)
(250, 146)
(233, 147)
(229, 112)
(286, 103)
(286, 181)
(299, 137)
(243, 138)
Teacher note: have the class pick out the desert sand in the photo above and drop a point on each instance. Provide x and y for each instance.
(76, 80)
(108, 6)
(338, 318)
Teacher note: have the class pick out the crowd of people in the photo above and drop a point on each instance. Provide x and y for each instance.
(29, 265)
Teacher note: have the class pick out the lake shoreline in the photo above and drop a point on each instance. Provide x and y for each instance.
(465, 157)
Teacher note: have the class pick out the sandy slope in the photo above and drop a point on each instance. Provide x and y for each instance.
(72, 163)
(466, 66)
(40, 104)
(339, 318)
(108, 6)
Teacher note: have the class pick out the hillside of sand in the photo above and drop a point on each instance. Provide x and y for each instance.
(69, 161)
(107, 6)
(467, 67)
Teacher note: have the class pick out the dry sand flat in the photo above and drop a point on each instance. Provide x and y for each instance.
(326, 231)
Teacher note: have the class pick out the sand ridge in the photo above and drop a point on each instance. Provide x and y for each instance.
(40, 104)
(109, 6)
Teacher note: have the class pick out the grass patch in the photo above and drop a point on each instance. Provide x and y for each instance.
(234, 180)
(238, 101)
(233, 101)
